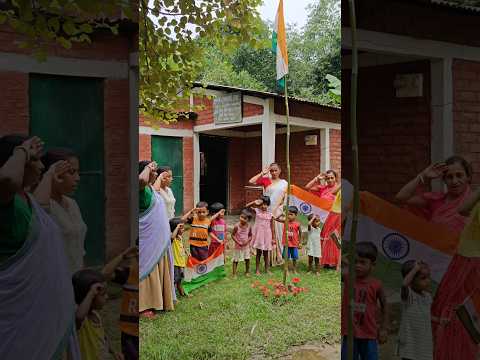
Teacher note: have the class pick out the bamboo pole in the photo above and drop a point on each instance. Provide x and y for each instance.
(285, 249)
(353, 134)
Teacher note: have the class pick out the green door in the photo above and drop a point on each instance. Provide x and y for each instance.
(168, 151)
(68, 112)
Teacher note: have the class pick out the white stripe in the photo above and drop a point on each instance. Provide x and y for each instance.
(282, 68)
(190, 273)
(369, 230)
(321, 213)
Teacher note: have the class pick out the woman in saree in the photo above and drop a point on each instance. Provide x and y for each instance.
(157, 291)
(326, 186)
(273, 187)
(451, 340)
(54, 194)
(162, 186)
(37, 316)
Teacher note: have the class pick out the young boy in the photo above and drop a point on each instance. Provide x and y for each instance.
(369, 297)
(218, 228)
(294, 235)
(242, 237)
(179, 256)
(200, 229)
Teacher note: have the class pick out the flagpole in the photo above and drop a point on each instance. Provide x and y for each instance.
(353, 134)
(285, 248)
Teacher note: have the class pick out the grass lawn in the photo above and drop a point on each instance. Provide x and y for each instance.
(228, 320)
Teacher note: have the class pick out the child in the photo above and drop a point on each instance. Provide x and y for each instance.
(242, 236)
(314, 245)
(415, 335)
(218, 228)
(179, 256)
(262, 231)
(200, 229)
(369, 295)
(294, 235)
(91, 295)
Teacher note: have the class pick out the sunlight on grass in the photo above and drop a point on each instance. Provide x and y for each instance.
(228, 320)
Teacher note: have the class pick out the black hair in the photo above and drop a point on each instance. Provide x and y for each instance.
(247, 214)
(7, 144)
(265, 199)
(142, 165)
(333, 172)
(56, 154)
(174, 223)
(310, 217)
(460, 160)
(367, 249)
(83, 280)
(202, 204)
(216, 207)
(277, 165)
(293, 209)
(137, 241)
(162, 169)
(407, 266)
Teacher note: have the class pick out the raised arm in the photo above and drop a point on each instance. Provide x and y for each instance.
(188, 214)
(317, 180)
(254, 204)
(12, 172)
(407, 194)
(43, 191)
(264, 172)
(221, 212)
(109, 269)
(470, 203)
(144, 177)
(84, 307)
(408, 280)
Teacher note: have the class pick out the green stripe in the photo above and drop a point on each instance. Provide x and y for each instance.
(274, 42)
(216, 274)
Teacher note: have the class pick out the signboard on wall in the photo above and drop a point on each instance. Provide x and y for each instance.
(227, 109)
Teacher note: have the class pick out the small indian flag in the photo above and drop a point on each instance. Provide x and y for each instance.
(401, 236)
(199, 273)
(307, 204)
(279, 45)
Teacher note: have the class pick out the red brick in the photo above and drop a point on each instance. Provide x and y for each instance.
(14, 107)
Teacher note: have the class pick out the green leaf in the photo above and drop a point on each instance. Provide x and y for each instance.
(54, 24)
(64, 42)
(69, 27)
(86, 28)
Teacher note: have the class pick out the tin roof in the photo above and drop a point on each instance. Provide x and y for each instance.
(466, 5)
(261, 94)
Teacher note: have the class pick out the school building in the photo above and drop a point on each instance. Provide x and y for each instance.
(237, 133)
(86, 99)
(418, 89)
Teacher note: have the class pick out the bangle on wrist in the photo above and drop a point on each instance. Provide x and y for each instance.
(25, 150)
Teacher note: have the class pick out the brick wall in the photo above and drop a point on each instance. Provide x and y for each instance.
(14, 106)
(393, 133)
(252, 110)
(307, 110)
(336, 151)
(188, 196)
(117, 158)
(145, 147)
(466, 113)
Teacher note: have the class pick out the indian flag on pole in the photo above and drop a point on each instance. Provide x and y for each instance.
(279, 45)
(199, 273)
(401, 236)
(308, 203)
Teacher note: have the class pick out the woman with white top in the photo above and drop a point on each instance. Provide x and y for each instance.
(162, 186)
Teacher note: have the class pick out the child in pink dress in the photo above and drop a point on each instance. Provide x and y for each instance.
(262, 231)
(242, 237)
(218, 228)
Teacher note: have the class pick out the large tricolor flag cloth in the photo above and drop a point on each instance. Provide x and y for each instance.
(279, 45)
(401, 236)
(309, 203)
(199, 273)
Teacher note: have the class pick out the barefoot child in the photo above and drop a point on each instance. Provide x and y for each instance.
(179, 256)
(262, 231)
(294, 235)
(200, 229)
(218, 228)
(314, 246)
(369, 298)
(415, 335)
(242, 236)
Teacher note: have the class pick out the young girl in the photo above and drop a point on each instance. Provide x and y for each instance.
(218, 228)
(262, 231)
(91, 295)
(415, 336)
(314, 246)
(179, 256)
(294, 233)
(242, 236)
